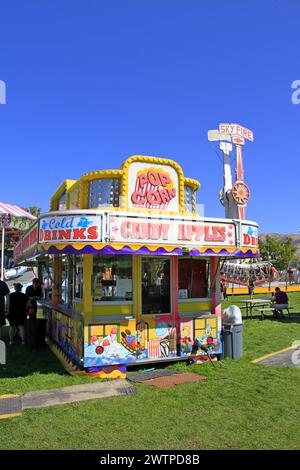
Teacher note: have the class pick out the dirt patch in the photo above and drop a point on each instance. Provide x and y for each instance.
(171, 380)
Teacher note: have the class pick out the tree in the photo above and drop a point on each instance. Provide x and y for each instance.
(281, 252)
(33, 210)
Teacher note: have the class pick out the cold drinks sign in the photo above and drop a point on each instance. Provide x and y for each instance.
(70, 228)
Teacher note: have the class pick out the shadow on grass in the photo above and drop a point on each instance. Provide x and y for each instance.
(295, 318)
(22, 362)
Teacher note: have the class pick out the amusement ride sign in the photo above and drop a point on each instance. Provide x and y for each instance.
(236, 129)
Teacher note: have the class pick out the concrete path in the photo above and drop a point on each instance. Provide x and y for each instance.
(76, 393)
(289, 357)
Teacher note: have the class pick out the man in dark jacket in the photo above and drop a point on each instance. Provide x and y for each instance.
(17, 312)
(4, 292)
(33, 292)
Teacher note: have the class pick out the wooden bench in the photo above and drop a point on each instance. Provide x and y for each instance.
(263, 311)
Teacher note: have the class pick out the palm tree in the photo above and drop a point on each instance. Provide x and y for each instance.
(33, 210)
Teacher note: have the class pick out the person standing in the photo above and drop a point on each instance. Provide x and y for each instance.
(251, 285)
(290, 274)
(4, 294)
(17, 312)
(34, 293)
(224, 289)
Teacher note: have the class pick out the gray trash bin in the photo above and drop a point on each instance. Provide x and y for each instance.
(232, 335)
(232, 332)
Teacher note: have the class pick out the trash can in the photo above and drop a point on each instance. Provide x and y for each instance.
(232, 333)
(35, 333)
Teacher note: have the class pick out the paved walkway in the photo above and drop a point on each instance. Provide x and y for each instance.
(76, 393)
(289, 357)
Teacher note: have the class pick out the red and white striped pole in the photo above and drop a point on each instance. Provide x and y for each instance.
(240, 177)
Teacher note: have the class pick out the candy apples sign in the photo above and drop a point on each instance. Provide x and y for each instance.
(153, 187)
(168, 231)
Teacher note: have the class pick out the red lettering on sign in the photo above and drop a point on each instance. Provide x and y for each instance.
(165, 231)
(47, 235)
(215, 233)
(154, 231)
(181, 232)
(153, 198)
(93, 233)
(164, 179)
(138, 198)
(144, 230)
(124, 228)
(199, 233)
(254, 241)
(247, 239)
(153, 178)
(62, 234)
(79, 233)
(142, 180)
(54, 235)
(164, 195)
(152, 190)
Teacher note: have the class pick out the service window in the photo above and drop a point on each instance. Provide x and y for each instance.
(192, 278)
(156, 285)
(112, 278)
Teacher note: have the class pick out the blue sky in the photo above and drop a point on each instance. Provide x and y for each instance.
(92, 82)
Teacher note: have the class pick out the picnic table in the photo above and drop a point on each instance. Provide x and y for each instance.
(250, 303)
(275, 309)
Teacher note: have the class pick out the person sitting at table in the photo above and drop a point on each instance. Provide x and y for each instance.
(280, 301)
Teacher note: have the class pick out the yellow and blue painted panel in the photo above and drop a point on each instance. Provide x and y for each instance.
(125, 342)
(197, 335)
(67, 333)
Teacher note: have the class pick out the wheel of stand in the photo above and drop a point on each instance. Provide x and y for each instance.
(240, 192)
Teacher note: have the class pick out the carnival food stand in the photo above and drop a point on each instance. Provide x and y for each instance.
(134, 268)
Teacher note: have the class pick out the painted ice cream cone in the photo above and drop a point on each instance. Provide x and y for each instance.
(113, 334)
(106, 345)
(95, 340)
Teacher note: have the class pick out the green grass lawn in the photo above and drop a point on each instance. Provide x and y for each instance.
(241, 406)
